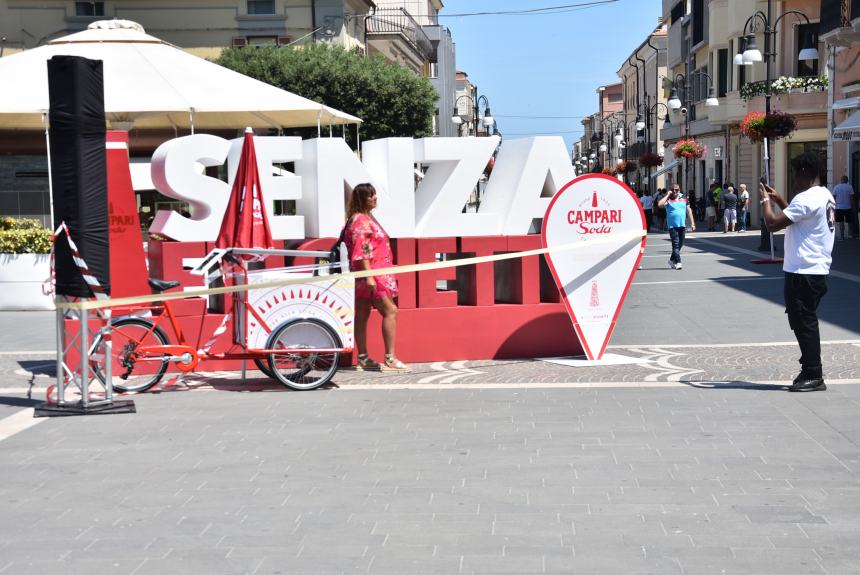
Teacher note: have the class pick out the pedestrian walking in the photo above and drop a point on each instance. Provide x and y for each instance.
(369, 248)
(730, 214)
(678, 213)
(710, 209)
(648, 207)
(843, 193)
(809, 223)
(743, 207)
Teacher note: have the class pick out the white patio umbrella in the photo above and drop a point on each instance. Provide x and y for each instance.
(149, 83)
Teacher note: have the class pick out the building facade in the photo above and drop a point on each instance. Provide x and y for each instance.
(645, 107)
(705, 38)
(840, 31)
(202, 28)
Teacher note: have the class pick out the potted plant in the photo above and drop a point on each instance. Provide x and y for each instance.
(757, 126)
(689, 148)
(25, 264)
(609, 171)
(650, 160)
(630, 166)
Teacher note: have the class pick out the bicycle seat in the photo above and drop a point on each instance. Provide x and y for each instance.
(162, 285)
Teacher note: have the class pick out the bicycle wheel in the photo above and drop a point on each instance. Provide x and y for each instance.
(303, 371)
(130, 371)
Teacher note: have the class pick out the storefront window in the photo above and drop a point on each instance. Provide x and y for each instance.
(795, 150)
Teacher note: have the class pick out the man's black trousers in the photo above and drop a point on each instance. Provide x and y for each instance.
(803, 292)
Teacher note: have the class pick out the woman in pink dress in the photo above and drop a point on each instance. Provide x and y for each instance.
(369, 249)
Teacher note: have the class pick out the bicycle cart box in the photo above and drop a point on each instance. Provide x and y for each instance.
(329, 302)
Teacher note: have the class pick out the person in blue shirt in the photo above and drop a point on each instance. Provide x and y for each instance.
(678, 213)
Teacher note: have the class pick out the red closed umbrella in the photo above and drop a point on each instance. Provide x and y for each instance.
(246, 224)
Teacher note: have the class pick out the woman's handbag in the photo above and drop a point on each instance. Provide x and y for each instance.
(339, 252)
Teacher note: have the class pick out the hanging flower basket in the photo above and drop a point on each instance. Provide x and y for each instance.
(609, 171)
(689, 148)
(650, 160)
(757, 126)
(627, 167)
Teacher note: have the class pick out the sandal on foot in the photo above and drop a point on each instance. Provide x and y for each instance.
(394, 364)
(365, 363)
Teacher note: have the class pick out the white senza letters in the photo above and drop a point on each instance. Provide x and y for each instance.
(456, 164)
(174, 176)
(526, 174)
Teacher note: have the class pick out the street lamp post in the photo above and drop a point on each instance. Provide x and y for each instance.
(685, 108)
(487, 119)
(596, 140)
(752, 54)
(646, 123)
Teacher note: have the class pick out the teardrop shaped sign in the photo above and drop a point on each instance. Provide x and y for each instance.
(605, 215)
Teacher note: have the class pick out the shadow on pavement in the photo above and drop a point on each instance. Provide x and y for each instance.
(736, 385)
(18, 401)
(39, 367)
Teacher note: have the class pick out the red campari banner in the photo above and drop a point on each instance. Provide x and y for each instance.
(607, 218)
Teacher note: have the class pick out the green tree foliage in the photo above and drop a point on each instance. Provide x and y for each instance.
(390, 99)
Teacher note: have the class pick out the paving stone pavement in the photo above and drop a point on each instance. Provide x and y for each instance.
(715, 365)
(695, 463)
(575, 481)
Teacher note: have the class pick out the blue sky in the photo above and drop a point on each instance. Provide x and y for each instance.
(545, 65)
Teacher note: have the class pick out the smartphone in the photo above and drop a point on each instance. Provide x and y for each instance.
(763, 180)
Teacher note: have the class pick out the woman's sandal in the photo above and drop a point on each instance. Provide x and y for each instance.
(394, 364)
(367, 364)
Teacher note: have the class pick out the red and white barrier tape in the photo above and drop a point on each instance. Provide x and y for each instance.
(90, 279)
(221, 329)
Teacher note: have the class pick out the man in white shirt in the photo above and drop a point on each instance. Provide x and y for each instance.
(809, 229)
(843, 192)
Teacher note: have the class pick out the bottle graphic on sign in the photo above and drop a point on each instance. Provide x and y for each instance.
(594, 200)
(595, 295)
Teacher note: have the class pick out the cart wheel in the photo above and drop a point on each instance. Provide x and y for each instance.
(303, 371)
(263, 365)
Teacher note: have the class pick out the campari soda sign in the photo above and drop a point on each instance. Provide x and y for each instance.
(594, 280)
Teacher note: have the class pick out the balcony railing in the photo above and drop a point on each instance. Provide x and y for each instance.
(397, 21)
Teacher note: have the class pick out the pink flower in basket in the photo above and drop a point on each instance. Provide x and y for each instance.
(689, 148)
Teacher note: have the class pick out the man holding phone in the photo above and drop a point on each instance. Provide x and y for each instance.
(809, 223)
(678, 213)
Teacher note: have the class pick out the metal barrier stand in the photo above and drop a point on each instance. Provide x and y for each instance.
(85, 374)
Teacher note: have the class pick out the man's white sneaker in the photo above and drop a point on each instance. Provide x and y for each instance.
(672, 264)
(679, 266)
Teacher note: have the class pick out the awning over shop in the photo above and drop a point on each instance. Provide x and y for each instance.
(847, 103)
(666, 168)
(849, 129)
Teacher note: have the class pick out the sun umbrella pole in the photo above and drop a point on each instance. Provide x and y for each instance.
(192, 121)
(358, 140)
(50, 180)
(319, 124)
